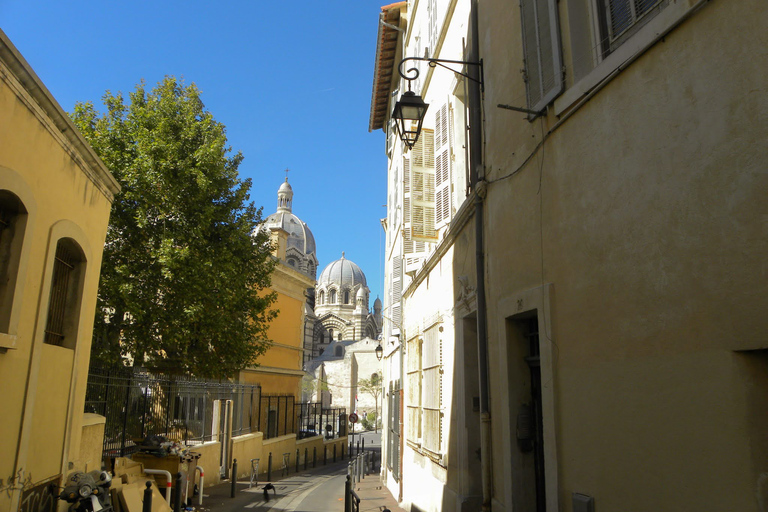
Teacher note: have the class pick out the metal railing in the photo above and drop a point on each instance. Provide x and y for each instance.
(137, 403)
(314, 420)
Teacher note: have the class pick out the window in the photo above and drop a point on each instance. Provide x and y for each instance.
(332, 297)
(618, 16)
(541, 51)
(321, 297)
(292, 262)
(13, 219)
(64, 302)
(413, 390)
(346, 296)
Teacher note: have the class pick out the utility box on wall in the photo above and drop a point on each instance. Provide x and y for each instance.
(583, 503)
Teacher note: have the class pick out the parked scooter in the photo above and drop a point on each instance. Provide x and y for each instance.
(88, 492)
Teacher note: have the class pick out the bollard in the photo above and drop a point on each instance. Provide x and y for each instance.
(351, 448)
(177, 496)
(334, 453)
(234, 479)
(305, 458)
(314, 456)
(325, 455)
(147, 506)
(348, 495)
(358, 448)
(363, 444)
(269, 468)
(297, 460)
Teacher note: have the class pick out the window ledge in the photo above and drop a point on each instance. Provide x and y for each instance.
(8, 341)
(645, 38)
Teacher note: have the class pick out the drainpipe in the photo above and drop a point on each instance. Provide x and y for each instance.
(477, 175)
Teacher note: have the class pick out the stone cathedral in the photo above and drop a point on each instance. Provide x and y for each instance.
(337, 307)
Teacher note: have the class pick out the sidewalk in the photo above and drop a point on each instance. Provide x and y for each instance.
(374, 496)
(291, 490)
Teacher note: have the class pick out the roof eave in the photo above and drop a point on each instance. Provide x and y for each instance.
(387, 46)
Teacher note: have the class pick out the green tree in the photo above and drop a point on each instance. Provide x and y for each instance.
(184, 278)
(372, 386)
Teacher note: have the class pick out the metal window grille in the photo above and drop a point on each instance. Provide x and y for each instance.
(63, 270)
(623, 14)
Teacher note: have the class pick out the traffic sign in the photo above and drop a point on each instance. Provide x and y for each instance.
(353, 418)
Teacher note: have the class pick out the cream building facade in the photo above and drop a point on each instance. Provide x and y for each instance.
(55, 199)
(612, 353)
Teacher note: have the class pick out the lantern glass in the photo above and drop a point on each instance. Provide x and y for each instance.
(409, 115)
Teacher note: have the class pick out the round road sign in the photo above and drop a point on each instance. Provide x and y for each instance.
(353, 418)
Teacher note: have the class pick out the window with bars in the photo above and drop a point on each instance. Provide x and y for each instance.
(64, 302)
(13, 217)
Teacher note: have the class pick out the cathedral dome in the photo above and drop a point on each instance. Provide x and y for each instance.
(300, 247)
(342, 273)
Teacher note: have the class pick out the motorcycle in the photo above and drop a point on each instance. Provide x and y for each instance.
(88, 492)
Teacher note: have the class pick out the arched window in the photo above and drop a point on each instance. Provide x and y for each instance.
(321, 298)
(66, 292)
(13, 221)
(333, 297)
(330, 335)
(292, 262)
(346, 296)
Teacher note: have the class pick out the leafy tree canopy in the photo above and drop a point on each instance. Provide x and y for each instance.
(184, 278)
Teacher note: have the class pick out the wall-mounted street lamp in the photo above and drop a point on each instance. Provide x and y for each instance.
(410, 109)
(379, 352)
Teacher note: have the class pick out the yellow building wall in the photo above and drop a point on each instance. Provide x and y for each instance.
(279, 369)
(67, 193)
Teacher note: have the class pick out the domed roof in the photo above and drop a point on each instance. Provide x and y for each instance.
(299, 235)
(342, 272)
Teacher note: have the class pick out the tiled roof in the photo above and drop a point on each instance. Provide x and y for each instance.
(386, 53)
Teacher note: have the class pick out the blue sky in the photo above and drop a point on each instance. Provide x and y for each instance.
(291, 81)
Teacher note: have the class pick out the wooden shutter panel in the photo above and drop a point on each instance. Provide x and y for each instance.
(397, 290)
(443, 143)
(423, 188)
(541, 49)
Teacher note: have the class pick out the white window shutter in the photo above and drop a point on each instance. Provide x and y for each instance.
(422, 188)
(414, 251)
(443, 163)
(397, 290)
(541, 48)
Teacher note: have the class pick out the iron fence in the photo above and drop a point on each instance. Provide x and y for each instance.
(315, 420)
(137, 403)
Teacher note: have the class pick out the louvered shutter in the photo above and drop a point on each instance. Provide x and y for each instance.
(422, 188)
(541, 48)
(413, 389)
(397, 290)
(443, 163)
(433, 390)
